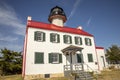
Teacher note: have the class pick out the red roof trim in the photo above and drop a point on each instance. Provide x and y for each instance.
(35, 24)
(99, 47)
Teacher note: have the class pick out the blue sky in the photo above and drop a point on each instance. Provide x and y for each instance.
(98, 17)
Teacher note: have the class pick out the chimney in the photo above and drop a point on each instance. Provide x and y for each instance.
(29, 18)
(79, 27)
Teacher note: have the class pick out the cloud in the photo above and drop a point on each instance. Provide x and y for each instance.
(14, 47)
(76, 4)
(89, 20)
(8, 38)
(10, 42)
(8, 17)
(12, 28)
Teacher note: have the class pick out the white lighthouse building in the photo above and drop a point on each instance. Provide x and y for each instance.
(52, 49)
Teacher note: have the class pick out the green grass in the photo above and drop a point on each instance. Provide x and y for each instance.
(105, 75)
(11, 77)
(109, 75)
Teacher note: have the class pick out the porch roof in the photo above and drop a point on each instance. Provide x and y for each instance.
(73, 49)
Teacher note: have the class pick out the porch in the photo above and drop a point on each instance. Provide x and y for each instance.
(74, 68)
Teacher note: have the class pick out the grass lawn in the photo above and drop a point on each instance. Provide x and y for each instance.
(109, 75)
(105, 75)
(11, 77)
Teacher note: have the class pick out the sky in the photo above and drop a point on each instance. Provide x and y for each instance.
(98, 17)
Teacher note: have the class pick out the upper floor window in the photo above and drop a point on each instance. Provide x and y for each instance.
(39, 36)
(78, 40)
(90, 57)
(54, 38)
(67, 39)
(88, 42)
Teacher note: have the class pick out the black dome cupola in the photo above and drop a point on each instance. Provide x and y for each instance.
(57, 12)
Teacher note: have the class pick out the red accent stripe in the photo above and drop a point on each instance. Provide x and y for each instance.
(24, 54)
(53, 27)
(99, 47)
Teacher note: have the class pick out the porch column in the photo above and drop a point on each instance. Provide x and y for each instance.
(71, 67)
(82, 62)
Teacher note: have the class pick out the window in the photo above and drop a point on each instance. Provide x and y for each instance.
(39, 57)
(88, 42)
(54, 38)
(90, 58)
(79, 58)
(55, 58)
(78, 40)
(39, 36)
(67, 39)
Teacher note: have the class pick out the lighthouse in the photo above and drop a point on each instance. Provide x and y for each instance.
(54, 50)
(57, 16)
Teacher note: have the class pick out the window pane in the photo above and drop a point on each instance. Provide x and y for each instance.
(39, 57)
(64, 36)
(90, 58)
(78, 40)
(67, 39)
(88, 41)
(54, 38)
(55, 58)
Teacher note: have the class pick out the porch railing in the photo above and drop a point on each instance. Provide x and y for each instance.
(77, 70)
(74, 67)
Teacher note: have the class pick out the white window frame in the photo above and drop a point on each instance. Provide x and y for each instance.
(55, 58)
(54, 37)
(39, 36)
(79, 40)
(68, 39)
(89, 42)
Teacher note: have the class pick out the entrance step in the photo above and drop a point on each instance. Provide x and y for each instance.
(79, 75)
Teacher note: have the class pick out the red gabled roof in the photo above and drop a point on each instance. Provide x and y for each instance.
(99, 47)
(35, 24)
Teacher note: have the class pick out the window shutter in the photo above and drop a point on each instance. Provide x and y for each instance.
(79, 58)
(43, 36)
(35, 36)
(80, 41)
(58, 38)
(64, 37)
(60, 58)
(86, 41)
(50, 57)
(51, 38)
(76, 42)
(90, 42)
(70, 39)
(39, 57)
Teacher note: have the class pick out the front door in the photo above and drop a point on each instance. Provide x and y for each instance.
(74, 60)
(103, 61)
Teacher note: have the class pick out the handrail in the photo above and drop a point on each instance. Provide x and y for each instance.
(88, 67)
(78, 69)
(74, 66)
